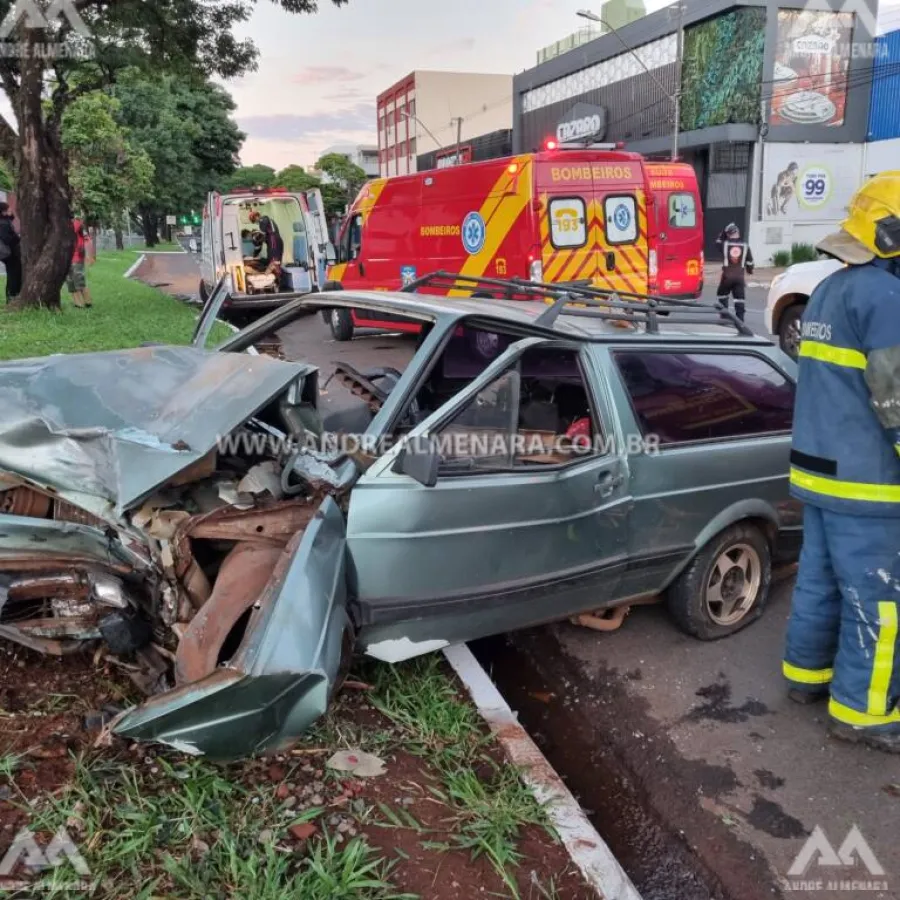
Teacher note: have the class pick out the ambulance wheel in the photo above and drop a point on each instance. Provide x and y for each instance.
(726, 587)
(204, 293)
(341, 323)
(329, 286)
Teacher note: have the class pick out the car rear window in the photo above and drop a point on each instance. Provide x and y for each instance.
(681, 398)
(682, 211)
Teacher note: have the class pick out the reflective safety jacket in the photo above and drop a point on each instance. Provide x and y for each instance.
(846, 441)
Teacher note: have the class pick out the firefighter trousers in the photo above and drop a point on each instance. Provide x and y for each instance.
(733, 285)
(843, 632)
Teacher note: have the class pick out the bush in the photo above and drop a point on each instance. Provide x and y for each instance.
(801, 253)
(782, 258)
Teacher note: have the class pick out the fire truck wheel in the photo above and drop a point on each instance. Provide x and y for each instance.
(341, 324)
(329, 286)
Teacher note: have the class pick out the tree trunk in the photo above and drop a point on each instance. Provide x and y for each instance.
(150, 224)
(120, 238)
(42, 194)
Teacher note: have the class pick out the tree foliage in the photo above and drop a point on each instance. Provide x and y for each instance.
(250, 177)
(187, 38)
(345, 179)
(296, 178)
(108, 172)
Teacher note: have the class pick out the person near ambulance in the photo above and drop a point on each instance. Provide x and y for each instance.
(76, 281)
(738, 261)
(842, 640)
(272, 239)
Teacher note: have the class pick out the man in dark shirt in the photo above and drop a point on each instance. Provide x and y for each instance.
(273, 240)
(738, 261)
(11, 256)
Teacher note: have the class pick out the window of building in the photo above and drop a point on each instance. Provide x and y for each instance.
(682, 211)
(730, 157)
(568, 222)
(689, 397)
(621, 219)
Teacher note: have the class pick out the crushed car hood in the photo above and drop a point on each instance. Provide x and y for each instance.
(118, 425)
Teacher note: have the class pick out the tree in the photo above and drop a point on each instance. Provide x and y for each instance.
(296, 178)
(187, 130)
(250, 177)
(84, 49)
(107, 172)
(345, 178)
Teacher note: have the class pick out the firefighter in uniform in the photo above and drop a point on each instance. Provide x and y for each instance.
(738, 260)
(842, 639)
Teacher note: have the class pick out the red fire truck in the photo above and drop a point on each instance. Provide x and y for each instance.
(599, 215)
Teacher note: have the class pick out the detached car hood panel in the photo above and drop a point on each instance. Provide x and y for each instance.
(120, 424)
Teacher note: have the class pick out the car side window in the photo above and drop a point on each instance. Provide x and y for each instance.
(682, 211)
(537, 414)
(681, 398)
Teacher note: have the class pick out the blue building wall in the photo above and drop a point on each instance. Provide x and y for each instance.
(884, 112)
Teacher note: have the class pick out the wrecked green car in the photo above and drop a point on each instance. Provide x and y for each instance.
(190, 513)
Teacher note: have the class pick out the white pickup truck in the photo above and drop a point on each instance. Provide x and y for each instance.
(788, 296)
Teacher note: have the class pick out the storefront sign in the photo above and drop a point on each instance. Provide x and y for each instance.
(582, 122)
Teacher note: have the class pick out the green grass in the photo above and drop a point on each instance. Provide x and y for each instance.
(126, 313)
(488, 802)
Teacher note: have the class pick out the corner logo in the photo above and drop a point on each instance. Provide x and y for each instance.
(474, 233)
(36, 17)
(26, 850)
(818, 858)
(866, 16)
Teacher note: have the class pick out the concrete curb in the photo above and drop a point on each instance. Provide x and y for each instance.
(136, 266)
(586, 848)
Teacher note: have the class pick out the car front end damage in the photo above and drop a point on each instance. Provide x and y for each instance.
(212, 575)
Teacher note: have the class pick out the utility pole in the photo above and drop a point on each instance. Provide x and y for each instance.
(678, 72)
(459, 122)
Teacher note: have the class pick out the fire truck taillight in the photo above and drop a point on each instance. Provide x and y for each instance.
(536, 270)
(512, 168)
(551, 144)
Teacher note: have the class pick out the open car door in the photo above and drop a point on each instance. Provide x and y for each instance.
(476, 524)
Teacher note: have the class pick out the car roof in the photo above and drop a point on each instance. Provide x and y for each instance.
(579, 324)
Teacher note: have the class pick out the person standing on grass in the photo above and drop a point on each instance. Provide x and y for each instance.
(77, 280)
(10, 253)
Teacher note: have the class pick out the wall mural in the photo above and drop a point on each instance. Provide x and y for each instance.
(812, 58)
(722, 70)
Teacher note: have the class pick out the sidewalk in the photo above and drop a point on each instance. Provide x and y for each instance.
(762, 276)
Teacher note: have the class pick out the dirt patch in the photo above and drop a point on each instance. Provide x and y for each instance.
(407, 815)
(173, 273)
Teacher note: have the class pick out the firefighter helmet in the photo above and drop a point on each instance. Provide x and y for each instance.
(872, 228)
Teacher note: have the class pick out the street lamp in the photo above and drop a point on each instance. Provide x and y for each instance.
(425, 128)
(676, 98)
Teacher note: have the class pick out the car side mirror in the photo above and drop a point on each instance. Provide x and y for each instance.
(420, 460)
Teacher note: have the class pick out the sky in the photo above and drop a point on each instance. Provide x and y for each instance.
(319, 75)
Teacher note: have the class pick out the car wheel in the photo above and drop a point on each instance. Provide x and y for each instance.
(204, 293)
(726, 587)
(789, 330)
(341, 323)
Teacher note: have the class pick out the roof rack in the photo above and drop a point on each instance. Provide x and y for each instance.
(611, 306)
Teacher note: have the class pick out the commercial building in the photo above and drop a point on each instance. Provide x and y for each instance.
(426, 117)
(774, 106)
(883, 147)
(363, 155)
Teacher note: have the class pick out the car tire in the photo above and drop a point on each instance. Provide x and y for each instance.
(789, 329)
(726, 587)
(341, 324)
(204, 293)
(329, 286)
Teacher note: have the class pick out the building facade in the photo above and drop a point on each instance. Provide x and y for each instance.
(774, 107)
(427, 116)
(883, 147)
(363, 155)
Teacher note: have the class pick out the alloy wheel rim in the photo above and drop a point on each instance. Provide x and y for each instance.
(732, 588)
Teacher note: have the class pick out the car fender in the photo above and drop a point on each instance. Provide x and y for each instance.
(732, 515)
